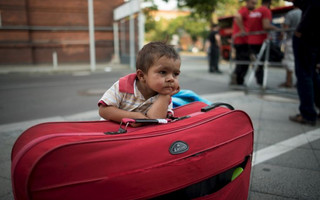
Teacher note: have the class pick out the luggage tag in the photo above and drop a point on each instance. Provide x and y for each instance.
(126, 121)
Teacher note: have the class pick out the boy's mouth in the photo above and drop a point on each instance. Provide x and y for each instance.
(169, 86)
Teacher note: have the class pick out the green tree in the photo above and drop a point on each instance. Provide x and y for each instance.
(202, 8)
(164, 29)
(205, 8)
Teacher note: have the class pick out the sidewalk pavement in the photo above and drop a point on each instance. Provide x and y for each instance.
(286, 162)
(286, 159)
(63, 68)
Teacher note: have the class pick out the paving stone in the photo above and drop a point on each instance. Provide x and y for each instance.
(5, 189)
(284, 181)
(262, 196)
(299, 158)
(279, 126)
(317, 154)
(315, 145)
(272, 137)
(5, 169)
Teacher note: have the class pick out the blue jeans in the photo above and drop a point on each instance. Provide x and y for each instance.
(308, 78)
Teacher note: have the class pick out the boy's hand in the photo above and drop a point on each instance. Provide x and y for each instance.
(175, 91)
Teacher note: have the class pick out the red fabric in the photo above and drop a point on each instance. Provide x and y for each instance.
(102, 103)
(255, 24)
(126, 83)
(77, 161)
(244, 12)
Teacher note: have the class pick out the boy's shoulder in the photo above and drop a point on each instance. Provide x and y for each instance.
(126, 83)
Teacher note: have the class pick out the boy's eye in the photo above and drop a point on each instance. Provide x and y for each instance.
(176, 73)
(162, 72)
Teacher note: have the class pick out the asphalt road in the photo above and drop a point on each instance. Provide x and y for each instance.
(28, 96)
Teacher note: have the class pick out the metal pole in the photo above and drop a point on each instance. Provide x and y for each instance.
(141, 29)
(256, 63)
(265, 66)
(123, 50)
(116, 42)
(55, 60)
(91, 36)
(132, 43)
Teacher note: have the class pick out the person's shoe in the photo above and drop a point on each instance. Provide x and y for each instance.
(218, 71)
(299, 119)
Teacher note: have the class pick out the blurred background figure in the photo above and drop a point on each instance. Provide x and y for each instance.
(306, 48)
(175, 42)
(240, 28)
(259, 20)
(213, 46)
(292, 20)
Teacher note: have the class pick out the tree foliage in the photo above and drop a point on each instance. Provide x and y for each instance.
(205, 8)
(198, 23)
(164, 29)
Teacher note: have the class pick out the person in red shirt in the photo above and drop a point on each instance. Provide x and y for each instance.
(259, 20)
(240, 28)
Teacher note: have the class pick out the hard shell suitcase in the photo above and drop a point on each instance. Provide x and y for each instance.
(191, 157)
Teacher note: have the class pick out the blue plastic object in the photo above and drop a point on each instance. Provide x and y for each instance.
(187, 96)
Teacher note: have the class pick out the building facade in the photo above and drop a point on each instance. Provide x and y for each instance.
(31, 31)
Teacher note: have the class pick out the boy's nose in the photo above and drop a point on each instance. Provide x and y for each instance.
(170, 78)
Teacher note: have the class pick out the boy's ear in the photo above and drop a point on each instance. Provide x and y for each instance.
(140, 75)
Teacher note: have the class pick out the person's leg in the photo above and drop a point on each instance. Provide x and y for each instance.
(305, 61)
(289, 81)
(316, 83)
(216, 60)
(235, 73)
(288, 62)
(242, 54)
(210, 59)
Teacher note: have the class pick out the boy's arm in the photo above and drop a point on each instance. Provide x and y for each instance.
(116, 114)
(159, 108)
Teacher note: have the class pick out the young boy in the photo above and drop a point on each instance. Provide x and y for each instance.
(146, 93)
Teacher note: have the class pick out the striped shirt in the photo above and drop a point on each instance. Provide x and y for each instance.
(125, 95)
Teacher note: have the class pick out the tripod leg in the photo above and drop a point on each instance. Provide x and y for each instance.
(256, 63)
(265, 66)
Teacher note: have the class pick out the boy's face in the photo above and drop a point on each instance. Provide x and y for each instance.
(162, 76)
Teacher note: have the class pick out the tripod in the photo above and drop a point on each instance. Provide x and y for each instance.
(265, 48)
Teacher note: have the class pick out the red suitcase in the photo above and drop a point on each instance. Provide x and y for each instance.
(192, 157)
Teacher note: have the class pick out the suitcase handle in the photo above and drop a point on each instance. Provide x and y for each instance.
(127, 121)
(146, 121)
(215, 105)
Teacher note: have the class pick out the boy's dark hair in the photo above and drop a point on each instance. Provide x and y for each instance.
(153, 51)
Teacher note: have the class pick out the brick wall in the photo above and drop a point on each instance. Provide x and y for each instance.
(33, 29)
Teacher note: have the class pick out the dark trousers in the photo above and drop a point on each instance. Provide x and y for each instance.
(255, 49)
(242, 54)
(308, 77)
(213, 57)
